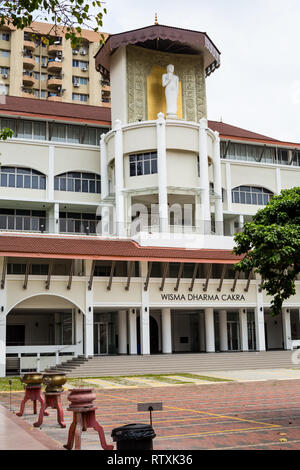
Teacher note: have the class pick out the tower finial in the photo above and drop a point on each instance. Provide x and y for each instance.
(155, 20)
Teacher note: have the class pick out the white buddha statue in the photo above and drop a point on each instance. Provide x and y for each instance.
(171, 84)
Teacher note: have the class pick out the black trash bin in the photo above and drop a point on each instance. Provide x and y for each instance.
(134, 437)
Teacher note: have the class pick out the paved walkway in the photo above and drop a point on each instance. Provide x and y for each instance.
(231, 415)
(16, 434)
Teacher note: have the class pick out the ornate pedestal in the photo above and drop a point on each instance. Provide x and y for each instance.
(84, 417)
(33, 393)
(53, 400)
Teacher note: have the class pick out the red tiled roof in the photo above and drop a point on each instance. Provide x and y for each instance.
(226, 130)
(45, 246)
(45, 109)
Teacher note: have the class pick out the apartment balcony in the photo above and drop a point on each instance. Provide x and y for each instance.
(54, 66)
(30, 45)
(28, 63)
(53, 49)
(55, 98)
(28, 79)
(105, 104)
(54, 83)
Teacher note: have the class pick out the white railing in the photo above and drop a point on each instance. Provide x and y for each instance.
(39, 362)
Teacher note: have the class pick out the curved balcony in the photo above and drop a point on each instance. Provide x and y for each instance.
(28, 79)
(54, 83)
(30, 45)
(54, 48)
(54, 98)
(28, 63)
(54, 66)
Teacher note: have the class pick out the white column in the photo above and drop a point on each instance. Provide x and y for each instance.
(78, 316)
(104, 186)
(144, 313)
(132, 331)
(166, 331)
(50, 178)
(209, 330)
(243, 329)
(162, 173)
(204, 176)
(259, 318)
(2, 326)
(278, 181)
(89, 315)
(53, 219)
(218, 186)
(119, 179)
(286, 324)
(228, 186)
(241, 222)
(122, 331)
(2, 344)
(223, 330)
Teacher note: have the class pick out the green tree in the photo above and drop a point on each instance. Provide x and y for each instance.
(271, 244)
(72, 15)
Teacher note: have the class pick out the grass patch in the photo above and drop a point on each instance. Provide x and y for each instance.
(204, 377)
(118, 380)
(15, 386)
(164, 378)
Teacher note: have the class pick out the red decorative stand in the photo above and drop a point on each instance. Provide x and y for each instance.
(33, 393)
(84, 417)
(52, 399)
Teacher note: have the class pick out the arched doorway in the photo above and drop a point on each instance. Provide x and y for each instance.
(154, 336)
(154, 341)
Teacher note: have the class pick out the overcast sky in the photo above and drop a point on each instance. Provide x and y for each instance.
(257, 86)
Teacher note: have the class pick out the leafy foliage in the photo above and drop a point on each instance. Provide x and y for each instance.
(6, 133)
(72, 15)
(271, 244)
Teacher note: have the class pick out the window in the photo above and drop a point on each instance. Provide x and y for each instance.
(4, 53)
(143, 164)
(37, 130)
(3, 89)
(13, 177)
(74, 222)
(296, 159)
(80, 80)
(5, 36)
(75, 63)
(17, 219)
(78, 182)
(79, 97)
(251, 195)
(4, 70)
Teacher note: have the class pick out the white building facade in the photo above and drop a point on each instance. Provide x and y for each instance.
(117, 232)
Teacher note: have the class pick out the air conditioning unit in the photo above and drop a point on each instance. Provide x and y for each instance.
(83, 52)
(84, 69)
(76, 85)
(44, 65)
(75, 52)
(5, 75)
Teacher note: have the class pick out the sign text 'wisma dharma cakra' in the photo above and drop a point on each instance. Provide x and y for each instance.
(203, 297)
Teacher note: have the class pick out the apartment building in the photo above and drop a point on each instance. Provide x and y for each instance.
(117, 224)
(54, 72)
